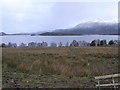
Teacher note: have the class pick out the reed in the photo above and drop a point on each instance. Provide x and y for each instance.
(68, 61)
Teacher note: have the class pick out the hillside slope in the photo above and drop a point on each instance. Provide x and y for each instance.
(92, 28)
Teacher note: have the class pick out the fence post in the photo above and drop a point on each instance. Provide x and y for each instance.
(99, 84)
(114, 83)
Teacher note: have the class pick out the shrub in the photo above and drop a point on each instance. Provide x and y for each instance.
(111, 42)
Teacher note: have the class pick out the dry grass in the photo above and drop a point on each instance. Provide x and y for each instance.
(68, 61)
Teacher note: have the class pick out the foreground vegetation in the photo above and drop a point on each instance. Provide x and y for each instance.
(57, 66)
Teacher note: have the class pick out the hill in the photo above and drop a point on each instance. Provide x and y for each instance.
(91, 28)
(57, 34)
(2, 33)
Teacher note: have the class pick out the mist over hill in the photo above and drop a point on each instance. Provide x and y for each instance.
(99, 28)
(86, 28)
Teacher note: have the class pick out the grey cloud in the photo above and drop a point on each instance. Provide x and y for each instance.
(49, 16)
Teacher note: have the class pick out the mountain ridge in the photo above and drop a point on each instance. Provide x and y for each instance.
(92, 28)
(86, 28)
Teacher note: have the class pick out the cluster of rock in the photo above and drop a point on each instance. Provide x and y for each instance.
(74, 43)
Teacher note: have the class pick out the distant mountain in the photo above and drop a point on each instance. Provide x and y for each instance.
(56, 34)
(20, 34)
(37, 33)
(92, 28)
(87, 28)
(2, 33)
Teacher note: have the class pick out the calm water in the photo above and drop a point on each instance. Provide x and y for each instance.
(49, 39)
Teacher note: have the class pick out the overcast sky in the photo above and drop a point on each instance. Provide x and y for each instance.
(35, 16)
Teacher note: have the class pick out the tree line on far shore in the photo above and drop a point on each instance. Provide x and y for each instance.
(74, 43)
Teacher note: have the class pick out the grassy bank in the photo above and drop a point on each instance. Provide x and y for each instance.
(56, 64)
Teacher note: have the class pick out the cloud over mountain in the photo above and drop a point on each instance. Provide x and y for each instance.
(92, 28)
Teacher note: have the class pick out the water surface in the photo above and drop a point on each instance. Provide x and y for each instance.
(56, 39)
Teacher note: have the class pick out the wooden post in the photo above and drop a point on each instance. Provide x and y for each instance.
(114, 83)
(99, 84)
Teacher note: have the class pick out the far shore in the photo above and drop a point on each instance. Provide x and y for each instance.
(56, 35)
